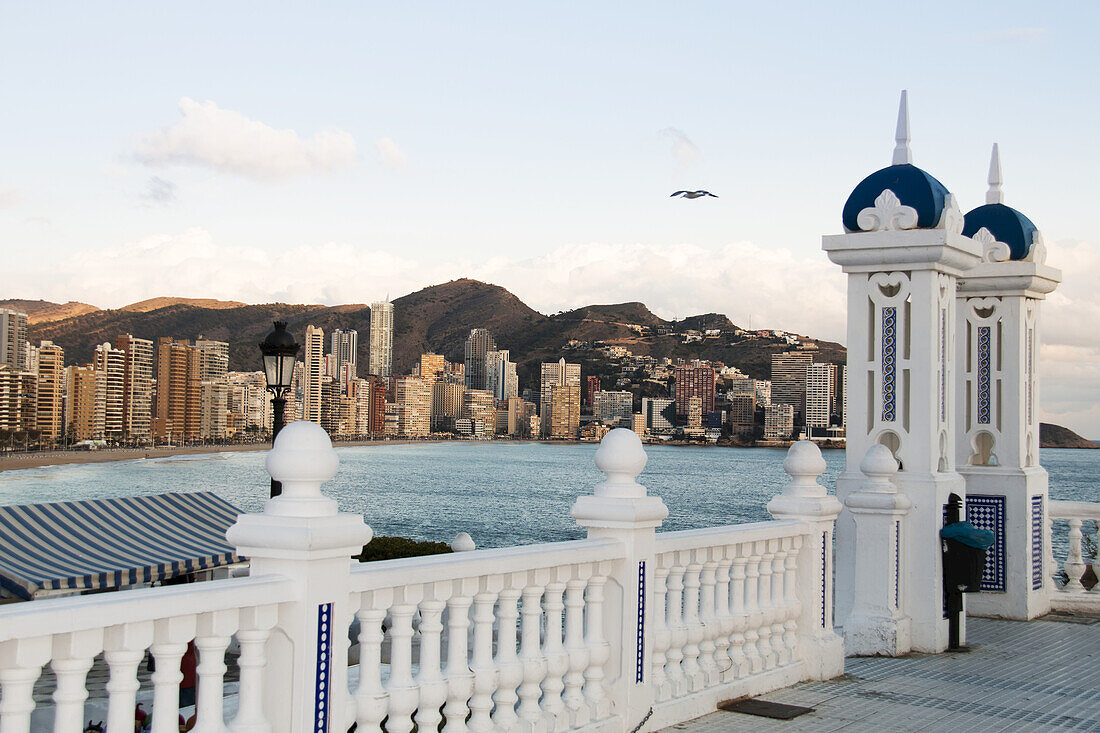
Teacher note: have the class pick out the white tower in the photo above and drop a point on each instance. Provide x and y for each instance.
(903, 251)
(997, 443)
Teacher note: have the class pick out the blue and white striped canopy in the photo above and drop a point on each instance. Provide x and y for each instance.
(107, 543)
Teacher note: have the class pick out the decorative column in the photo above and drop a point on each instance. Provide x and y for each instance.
(806, 500)
(302, 536)
(903, 251)
(876, 626)
(619, 508)
(997, 445)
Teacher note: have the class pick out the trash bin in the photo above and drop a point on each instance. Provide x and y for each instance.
(964, 556)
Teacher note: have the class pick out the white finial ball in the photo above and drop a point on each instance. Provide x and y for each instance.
(303, 456)
(804, 459)
(879, 462)
(463, 542)
(621, 457)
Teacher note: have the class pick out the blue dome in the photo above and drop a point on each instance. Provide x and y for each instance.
(910, 184)
(1005, 224)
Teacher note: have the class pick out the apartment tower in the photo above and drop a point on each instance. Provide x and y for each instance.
(381, 338)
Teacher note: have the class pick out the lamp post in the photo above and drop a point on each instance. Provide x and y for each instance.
(280, 351)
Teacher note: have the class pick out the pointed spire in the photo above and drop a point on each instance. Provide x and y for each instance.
(902, 153)
(995, 195)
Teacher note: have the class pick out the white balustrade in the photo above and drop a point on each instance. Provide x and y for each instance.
(624, 629)
(1069, 593)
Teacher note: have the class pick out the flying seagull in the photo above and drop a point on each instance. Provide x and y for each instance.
(693, 194)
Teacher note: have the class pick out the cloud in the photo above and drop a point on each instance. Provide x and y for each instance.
(229, 142)
(160, 191)
(389, 155)
(684, 151)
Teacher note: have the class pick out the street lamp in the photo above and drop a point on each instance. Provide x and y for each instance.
(280, 351)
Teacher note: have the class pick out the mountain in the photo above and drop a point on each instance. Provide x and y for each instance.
(438, 319)
(42, 311)
(1056, 436)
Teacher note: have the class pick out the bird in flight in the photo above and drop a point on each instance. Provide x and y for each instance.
(693, 194)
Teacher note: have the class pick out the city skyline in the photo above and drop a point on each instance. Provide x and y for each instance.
(560, 164)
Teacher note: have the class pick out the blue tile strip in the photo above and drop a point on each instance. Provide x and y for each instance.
(889, 364)
(983, 375)
(1037, 543)
(988, 512)
(324, 656)
(824, 572)
(897, 563)
(639, 668)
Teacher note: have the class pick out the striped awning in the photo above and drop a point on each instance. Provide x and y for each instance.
(108, 543)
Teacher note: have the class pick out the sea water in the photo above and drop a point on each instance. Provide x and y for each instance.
(501, 493)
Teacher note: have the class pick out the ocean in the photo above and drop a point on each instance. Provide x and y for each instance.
(501, 493)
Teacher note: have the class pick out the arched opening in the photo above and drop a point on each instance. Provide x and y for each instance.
(982, 450)
(891, 440)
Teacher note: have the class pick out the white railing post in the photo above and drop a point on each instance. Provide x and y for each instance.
(804, 499)
(619, 508)
(302, 536)
(877, 624)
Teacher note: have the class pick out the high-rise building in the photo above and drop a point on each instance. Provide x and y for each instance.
(381, 338)
(694, 381)
(18, 399)
(431, 366)
(13, 339)
(520, 412)
(376, 417)
(314, 374)
(660, 415)
(112, 362)
(742, 412)
(214, 388)
(478, 405)
(500, 375)
(178, 414)
(565, 410)
(591, 387)
(85, 400)
(345, 344)
(789, 379)
(137, 386)
(763, 389)
(555, 374)
(414, 406)
(614, 409)
(248, 397)
(448, 397)
(50, 398)
(821, 394)
(478, 345)
(778, 421)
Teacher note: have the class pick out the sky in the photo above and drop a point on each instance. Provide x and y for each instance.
(342, 152)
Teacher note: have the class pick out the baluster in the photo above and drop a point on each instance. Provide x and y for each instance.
(534, 666)
(557, 659)
(599, 650)
(485, 672)
(573, 697)
(371, 698)
(21, 663)
(1075, 565)
(764, 603)
(1050, 562)
(740, 665)
(460, 680)
(752, 609)
(661, 634)
(692, 671)
(170, 639)
(214, 631)
(404, 694)
(73, 655)
(790, 595)
(677, 630)
(509, 669)
(779, 606)
(433, 687)
(124, 649)
(255, 628)
(723, 619)
(707, 617)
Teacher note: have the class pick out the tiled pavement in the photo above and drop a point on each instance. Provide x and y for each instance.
(1034, 676)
